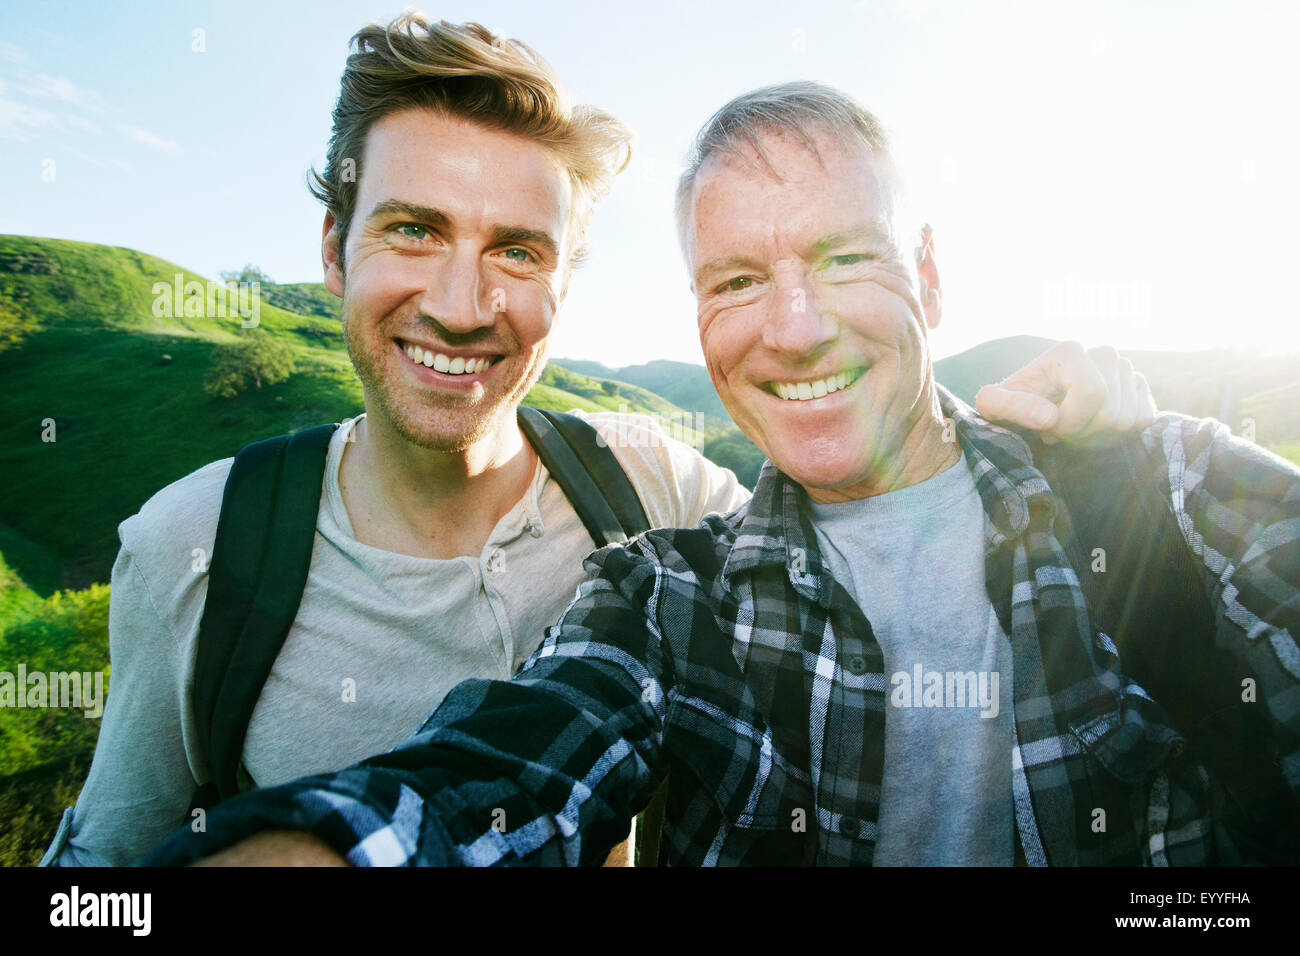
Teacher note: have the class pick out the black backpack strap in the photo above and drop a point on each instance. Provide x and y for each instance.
(589, 474)
(1152, 602)
(257, 574)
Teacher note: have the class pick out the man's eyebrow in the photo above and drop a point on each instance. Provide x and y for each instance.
(736, 260)
(872, 234)
(423, 214)
(502, 235)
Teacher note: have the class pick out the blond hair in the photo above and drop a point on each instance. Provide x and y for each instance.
(469, 72)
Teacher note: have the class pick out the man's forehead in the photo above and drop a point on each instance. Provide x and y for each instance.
(830, 187)
(780, 157)
(433, 159)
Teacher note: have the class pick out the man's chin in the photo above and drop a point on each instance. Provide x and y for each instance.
(446, 430)
(445, 436)
(822, 469)
(820, 479)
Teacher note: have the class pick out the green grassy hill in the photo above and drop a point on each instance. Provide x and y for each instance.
(80, 345)
(683, 383)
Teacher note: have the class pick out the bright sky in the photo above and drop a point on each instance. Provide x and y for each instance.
(1120, 172)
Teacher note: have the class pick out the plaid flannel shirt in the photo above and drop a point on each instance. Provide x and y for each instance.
(726, 658)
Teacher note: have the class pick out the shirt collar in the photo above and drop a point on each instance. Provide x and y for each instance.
(774, 529)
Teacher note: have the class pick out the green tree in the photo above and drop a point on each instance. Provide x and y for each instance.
(256, 359)
(250, 273)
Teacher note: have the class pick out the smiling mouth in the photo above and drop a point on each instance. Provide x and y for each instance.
(818, 388)
(447, 364)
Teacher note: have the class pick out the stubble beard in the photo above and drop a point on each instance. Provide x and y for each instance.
(426, 425)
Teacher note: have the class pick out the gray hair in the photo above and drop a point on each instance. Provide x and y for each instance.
(799, 110)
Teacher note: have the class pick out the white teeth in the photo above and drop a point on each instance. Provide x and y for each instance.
(442, 363)
(803, 391)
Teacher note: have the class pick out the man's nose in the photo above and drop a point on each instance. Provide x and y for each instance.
(797, 323)
(455, 292)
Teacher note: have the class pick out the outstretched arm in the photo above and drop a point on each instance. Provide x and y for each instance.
(548, 768)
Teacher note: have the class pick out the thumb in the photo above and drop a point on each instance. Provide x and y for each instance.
(1008, 405)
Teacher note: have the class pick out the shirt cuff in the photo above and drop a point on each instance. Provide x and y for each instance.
(51, 857)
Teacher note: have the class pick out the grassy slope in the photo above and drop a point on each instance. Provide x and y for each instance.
(124, 389)
(685, 384)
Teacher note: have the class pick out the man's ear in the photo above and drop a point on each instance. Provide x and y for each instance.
(927, 271)
(331, 256)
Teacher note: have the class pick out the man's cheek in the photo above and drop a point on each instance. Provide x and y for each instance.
(878, 299)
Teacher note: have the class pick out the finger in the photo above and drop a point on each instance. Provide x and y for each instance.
(1106, 361)
(1129, 406)
(1015, 407)
(1084, 389)
(1039, 377)
(1146, 401)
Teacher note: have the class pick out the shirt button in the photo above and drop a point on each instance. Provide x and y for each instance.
(857, 664)
(850, 826)
(532, 529)
(496, 561)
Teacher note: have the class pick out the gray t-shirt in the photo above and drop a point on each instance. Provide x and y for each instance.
(913, 559)
(379, 639)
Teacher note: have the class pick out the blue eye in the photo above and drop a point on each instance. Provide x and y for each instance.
(524, 254)
(413, 230)
(848, 259)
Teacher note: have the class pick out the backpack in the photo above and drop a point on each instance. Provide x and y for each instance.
(1151, 601)
(262, 554)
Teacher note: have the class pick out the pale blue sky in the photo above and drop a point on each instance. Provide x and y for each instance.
(1112, 172)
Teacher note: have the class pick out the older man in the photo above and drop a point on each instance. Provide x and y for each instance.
(789, 667)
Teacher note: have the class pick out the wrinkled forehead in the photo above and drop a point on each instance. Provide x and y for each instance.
(786, 184)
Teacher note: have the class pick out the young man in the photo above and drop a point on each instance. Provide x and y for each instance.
(443, 549)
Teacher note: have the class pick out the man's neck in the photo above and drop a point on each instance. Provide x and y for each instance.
(413, 500)
(927, 449)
